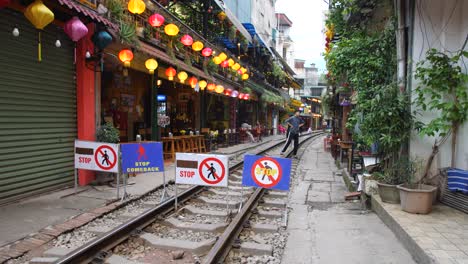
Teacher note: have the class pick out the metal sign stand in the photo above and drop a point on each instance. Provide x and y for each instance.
(76, 180)
(242, 198)
(175, 198)
(118, 185)
(163, 195)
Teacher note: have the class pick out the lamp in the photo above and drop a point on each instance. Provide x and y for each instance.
(187, 40)
(222, 16)
(211, 87)
(197, 46)
(126, 56)
(202, 84)
(225, 64)
(156, 20)
(234, 93)
(228, 92)
(231, 62)
(151, 65)
(245, 76)
(217, 60)
(236, 66)
(171, 30)
(241, 96)
(193, 81)
(101, 39)
(40, 16)
(206, 52)
(182, 76)
(243, 70)
(136, 6)
(219, 89)
(222, 56)
(170, 73)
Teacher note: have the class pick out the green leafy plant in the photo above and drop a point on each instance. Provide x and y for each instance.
(443, 89)
(401, 171)
(116, 8)
(108, 133)
(128, 33)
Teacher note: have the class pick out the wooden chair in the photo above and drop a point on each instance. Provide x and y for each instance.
(201, 143)
(169, 148)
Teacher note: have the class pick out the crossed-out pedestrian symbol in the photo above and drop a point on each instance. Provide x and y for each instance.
(211, 170)
(105, 157)
(266, 172)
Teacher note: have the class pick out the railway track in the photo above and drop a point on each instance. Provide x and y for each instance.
(210, 222)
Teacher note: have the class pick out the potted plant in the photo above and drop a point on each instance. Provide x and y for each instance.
(416, 197)
(109, 134)
(395, 174)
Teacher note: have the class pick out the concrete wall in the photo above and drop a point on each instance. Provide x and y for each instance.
(264, 19)
(442, 25)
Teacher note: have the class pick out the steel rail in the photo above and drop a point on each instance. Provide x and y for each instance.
(94, 249)
(220, 250)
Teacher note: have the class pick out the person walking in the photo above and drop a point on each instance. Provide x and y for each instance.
(294, 124)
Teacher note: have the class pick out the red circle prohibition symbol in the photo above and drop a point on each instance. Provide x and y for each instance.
(272, 179)
(99, 151)
(204, 164)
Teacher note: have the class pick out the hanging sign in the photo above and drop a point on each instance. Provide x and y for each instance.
(142, 157)
(266, 172)
(96, 156)
(202, 169)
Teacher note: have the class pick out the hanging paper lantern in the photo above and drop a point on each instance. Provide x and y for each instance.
(239, 72)
(38, 14)
(136, 6)
(245, 76)
(228, 92)
(101, 39)
(151, 65)
(75, 29)
(225, 64)
(241, 96)
(231, 62)
(197, 46)
(236, 66)
(171, 29)
(206, 52)
(187, 40)
(219, 89)
(202, 84)
(156, 20)
(243, 70)
(211, 87)
(4, 3)
(246, 96)
(234, 93)
(182, 76)
(170, 73)
(193, 81)
(126, 56)
(222, 56)
(221, 16)
(217, 60)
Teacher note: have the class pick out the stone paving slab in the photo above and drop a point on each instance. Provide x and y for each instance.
(439, 237)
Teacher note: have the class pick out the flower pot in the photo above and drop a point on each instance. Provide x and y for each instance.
(416, 198)
(389, 193)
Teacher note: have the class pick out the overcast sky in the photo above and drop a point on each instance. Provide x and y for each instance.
(307, 30)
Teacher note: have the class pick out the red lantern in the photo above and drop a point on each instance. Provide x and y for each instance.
(246, 96)
(187, 40)
(225, 64)
(156, 20)
(228, 92)
(170, 73)
(239, 72)
(4, 3)
(206, 52)
(193, 81)
(241, 96)
(211, 87)
(126, 56)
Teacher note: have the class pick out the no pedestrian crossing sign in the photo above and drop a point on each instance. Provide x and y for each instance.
(96, 156)
(142, 157)
(266, 172)
(202, 169)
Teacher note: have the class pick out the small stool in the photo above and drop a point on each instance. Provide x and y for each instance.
(201, 144)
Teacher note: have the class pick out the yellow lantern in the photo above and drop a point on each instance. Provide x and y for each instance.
(222, 56)
(197, 46)
(243, 70)
(171, 29)
(202, 84)
(219, 89)
(136, 7)
(217, 60)
(245, 76)
(151, 65)
(236, 66)
(40, 16)
(182, 76)
(222, 15)
(231, 62)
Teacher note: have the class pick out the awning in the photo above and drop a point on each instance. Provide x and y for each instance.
(87, 12)
(234, 20)
(284, 63)
(251, 29)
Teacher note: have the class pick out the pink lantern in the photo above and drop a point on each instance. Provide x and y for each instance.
(75, 29)
(225, 63)
(246, 96)
(241, 96)
(187, 40)
(239, 72)
(4, 3)
(156, 20)
(206, 52)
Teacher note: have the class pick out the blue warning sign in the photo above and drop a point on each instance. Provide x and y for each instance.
(266, 172)
(142, 157)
